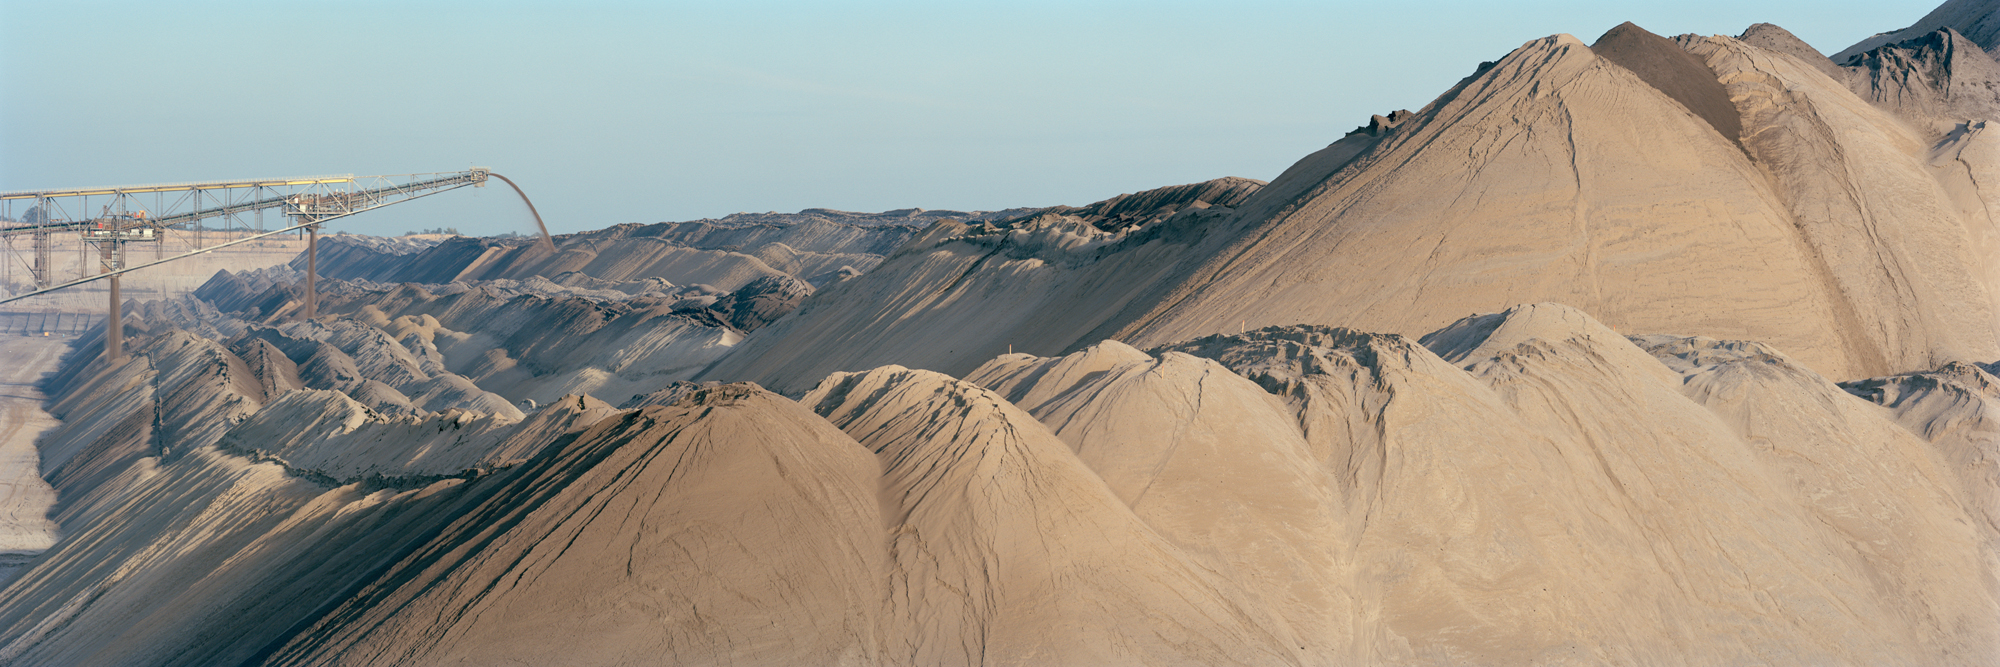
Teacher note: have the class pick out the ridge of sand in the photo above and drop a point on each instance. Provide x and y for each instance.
(1232, 482)
(1528, 182)
(1978, 19)
(1910, 284)
(732, 523)
(1774, 38)
(1957, 409)
(1006, 548)
(1672, 71)
(1935, 80)
(1523, 484)
(1553, 174)
(1270, 497)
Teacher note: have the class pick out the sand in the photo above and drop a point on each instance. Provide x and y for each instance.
(1773, 38)
(1554, 174)
(1978, 19)
(1938, 81)
(1270, 497)
(25, 498)
(1673, 71)
(1653, 351)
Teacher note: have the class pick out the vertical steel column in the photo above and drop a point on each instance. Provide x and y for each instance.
(160, 241)
(114, 328)
(312, 271)
(195, 225)
(44, 264)
(114, 325)
(83, 244)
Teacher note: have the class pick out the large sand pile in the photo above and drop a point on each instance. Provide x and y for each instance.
(1978, 19)
(1938, 81)
(1554, 174)
(733, 525)
(1272, 497)
(1308, 422)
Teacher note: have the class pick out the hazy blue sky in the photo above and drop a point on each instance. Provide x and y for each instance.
(610, 112)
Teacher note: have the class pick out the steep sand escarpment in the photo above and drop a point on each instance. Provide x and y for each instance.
(1905, 263)
(175, 393)
(1672, 71)
(1977, 19)
(1936, 81)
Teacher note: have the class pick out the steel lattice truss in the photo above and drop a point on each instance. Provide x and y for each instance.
(111, 217)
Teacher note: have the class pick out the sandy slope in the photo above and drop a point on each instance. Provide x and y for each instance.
(1910, 288)
(1005, 548)
(1957, 409)
(1591, 485)
(1558, 175)
(487, 345)
(1773, 38)
(1404, 467)
(1937, 80)
(959, 295)
(732, 526)
(25, 498)
(1272, 497)
(724, 254)
(818, 246)
(1554, 174)
(1230, 479)
(1978, 19)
